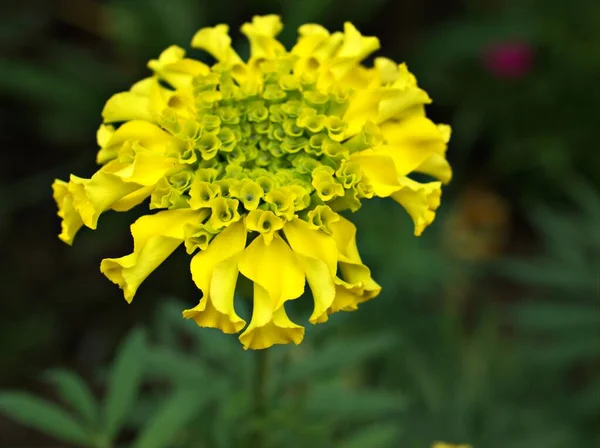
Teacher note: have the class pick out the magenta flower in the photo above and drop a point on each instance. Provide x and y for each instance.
(508, 59)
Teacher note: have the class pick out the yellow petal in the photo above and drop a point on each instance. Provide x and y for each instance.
(217, 42)
(398, 100)
(449, 445)
(99, 194)
(147, 167)
(438, 167)
(126, 106)
(178, 71)
(215, 272)
(310, 37)
(144, 87)
(273, 267)
(104, 134)
(356, 46)
(420, 201)
(411, 142)
(380, 170)
(147, 134)
(387, 70)
(261, 34)
(155, 237)
(269, 326)
(132, 199)
(71, 220)
(353, 271)
(88, 198)
(346, 299)
(405, 98)
(317, 254)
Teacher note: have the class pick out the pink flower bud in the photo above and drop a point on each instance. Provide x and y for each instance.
(508, 59)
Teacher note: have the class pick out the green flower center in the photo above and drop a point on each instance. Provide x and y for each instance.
(285, 137)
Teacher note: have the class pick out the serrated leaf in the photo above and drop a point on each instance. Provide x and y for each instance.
(172, 418)
(73, 390)
(43, 416)
(123, 381)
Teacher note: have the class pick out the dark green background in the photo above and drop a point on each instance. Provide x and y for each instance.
(491, 319)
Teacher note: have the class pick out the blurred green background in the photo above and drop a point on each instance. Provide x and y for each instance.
(488, 327)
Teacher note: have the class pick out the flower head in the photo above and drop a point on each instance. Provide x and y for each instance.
(249, 165)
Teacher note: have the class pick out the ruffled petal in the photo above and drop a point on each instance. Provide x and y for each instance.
(420, 201)
(132, 199)
(353, 49)
(215, 272)
(411, 142)
(380, 171)
(310, 37)
(437, 166)
(179, 71)
(147, 134)
(146, 168)
(317, 254)
(273, 267)
(216, 41)
(98, 195)
(356, 275)
(155, 237)
(261, 35)
(398, 100)
(71, 219)
(89, 198)
(127, 106)
(269, 326)
(144, 101)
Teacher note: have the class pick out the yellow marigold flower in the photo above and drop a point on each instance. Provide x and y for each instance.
(249, 164)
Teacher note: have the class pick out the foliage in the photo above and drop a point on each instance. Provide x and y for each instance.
(210, 384)
(530, 133)
(513, 361)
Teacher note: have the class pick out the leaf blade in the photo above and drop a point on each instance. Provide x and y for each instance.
(73, 390)
(43, 416)
(165, 425)
(123, 381)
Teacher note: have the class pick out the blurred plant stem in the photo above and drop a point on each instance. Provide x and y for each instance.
(261, 371)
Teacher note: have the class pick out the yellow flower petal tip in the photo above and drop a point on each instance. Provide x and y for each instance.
(449, 445)
(248, 164)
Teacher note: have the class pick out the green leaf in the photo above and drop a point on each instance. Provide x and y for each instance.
(341, 404)
(553, 316)
(337, 355)
(123, 381)
(212, 345)
(172, 418)
(177, 367)
(380, 436)
(73, 390)
(44, 416)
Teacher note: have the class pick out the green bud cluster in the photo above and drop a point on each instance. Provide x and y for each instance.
(271, 150)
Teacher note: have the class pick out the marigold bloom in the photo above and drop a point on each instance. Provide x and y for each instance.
(249, 165)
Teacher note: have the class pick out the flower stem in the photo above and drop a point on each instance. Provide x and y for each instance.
(260, 396)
